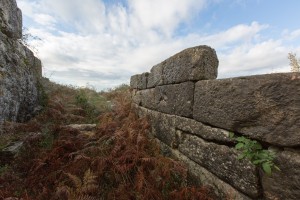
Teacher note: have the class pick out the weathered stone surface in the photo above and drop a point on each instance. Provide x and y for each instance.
(206, 132)
(175, 99)
(156, 76)
(222, 161)
(162, 127)
(134, 80)
(284, 184)
(264, 107)
(10, 19)
(192, 126)
(142, 112)
(172, 99)
(148, 98)
(200, 176)
(82, 127)
(20, 71)
(192, 64)
(139, 81)
(136, 96)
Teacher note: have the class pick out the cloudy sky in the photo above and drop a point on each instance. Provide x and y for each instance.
(103, 42)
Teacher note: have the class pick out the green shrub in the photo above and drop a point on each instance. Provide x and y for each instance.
(82, 99)
(253, 150)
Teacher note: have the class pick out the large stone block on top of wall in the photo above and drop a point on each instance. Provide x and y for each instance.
(139, 81)
(222, 161)
(263, 107)
(10, 19)
(284, 184)
(156, 76)
(192, 64)
(175, 99)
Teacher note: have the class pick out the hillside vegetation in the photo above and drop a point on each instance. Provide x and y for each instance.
(114, 160)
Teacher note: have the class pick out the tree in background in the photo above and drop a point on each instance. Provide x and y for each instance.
(294, 63)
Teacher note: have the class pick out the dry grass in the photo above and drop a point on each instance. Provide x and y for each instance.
(118, 161)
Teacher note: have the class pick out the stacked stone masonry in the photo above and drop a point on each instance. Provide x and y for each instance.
(192, 113)
(20, 70)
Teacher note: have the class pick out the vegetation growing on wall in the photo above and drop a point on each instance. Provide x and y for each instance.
(253, 150)
(26, 38)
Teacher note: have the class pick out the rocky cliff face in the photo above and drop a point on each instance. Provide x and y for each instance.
(20, 70)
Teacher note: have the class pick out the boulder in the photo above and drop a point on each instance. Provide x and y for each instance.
(263, 107)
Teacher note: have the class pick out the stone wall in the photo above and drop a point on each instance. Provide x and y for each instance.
(20, 70)
(191, 115)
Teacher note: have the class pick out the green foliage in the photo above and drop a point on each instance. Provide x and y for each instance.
(91, 102)
(253, 150)
(26, 38)
(47, 141)
(3, 169)
(82, 100)
(43, 96)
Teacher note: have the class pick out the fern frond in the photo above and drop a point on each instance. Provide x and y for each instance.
(85, 197)
(140, 179)
(89, 182)
(75, 180)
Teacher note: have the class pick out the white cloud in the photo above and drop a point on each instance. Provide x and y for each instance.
(242, 32)
(267, 56)
(111, 43)
(87, 16)
(44, 19)
(163, 16)
(291, 35)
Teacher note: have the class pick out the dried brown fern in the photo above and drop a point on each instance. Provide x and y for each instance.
(82, 188)
(118, 162)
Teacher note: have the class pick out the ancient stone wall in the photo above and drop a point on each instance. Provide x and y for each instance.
(20, 70)
(191, 115)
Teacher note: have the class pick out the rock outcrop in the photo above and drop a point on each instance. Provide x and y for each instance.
(20, 70)
(192, 115)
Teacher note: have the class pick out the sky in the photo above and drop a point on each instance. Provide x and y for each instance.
(101, 43)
